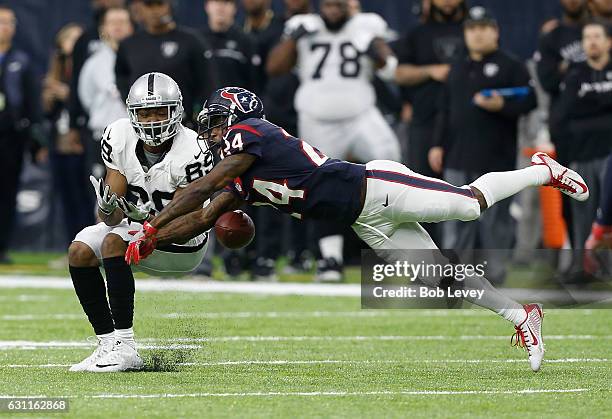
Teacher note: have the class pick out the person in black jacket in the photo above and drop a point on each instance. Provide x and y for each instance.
(232, 52)
(425, 55)
(163, 47)
(20, 118)
(265, 28)
(479, 129)
(86, 45)
(586, 104)
(560, 48)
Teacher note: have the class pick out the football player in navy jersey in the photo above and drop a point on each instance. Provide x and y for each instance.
(383, 201)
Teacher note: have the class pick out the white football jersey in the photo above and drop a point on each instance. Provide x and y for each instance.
(181, 165)
(335, 73)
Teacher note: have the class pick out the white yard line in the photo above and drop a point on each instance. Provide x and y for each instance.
(265, 314)
(26, 298)
(281, 288)
(321, 394)
(184, 342)
(345, 362)
(188, 285)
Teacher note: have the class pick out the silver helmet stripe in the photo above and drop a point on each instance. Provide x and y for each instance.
(151, 84)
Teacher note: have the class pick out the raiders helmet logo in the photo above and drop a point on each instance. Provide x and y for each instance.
(169, 49)
(491, 69)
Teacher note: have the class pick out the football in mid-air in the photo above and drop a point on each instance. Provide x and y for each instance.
(234, 229)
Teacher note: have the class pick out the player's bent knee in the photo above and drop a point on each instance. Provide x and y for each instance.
(81, 255)
(113, 246)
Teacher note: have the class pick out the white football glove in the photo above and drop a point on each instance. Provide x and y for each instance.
(135, 212)
(107, 201)
(296, 28)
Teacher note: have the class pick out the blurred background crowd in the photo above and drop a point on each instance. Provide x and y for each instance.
(66, 67)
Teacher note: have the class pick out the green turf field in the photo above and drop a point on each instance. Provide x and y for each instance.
(221, 355)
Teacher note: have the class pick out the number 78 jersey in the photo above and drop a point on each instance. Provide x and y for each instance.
(335, 72)
(291, 175)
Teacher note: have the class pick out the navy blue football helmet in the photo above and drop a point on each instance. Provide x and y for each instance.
(226, 107)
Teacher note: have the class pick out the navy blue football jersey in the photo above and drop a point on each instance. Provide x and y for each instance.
(291, 175)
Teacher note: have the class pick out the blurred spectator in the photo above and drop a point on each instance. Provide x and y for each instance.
(479, 130)
(560, 48)
(601, 9)
(280, 90)
(230, 49)
(136, 13)
(67, 159)
(97, 88)
(68, 166)
(164, 47)
(265, 28)
(20, 117)
(586, 102)
(87, 44)
(425, 55)
(337, 55)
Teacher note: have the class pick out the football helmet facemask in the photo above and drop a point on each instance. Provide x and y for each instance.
(154, 90)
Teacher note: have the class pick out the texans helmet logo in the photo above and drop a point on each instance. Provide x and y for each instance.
(243, 99)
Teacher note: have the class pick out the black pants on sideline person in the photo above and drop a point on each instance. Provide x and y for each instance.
(70, 181)
(11, 163)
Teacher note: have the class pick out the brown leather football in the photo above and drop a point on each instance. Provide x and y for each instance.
(234, 229)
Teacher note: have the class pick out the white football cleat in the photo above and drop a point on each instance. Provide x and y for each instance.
(104, 347)
(566, 180)
(529, 335)
(122, 357)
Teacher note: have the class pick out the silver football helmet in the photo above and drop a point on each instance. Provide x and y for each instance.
(154, 90)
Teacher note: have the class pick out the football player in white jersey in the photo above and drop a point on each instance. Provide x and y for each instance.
(150, 157)
(337, 54)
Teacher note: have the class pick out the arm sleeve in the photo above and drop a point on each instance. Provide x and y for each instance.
(515, 107)
(378, 25)
(441, 136)
(33, 106)
(86, 87)
(75, 108)
(549, 75)
(566, 104)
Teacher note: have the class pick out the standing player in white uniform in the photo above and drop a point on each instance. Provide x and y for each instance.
(337, 55)
(149, 159)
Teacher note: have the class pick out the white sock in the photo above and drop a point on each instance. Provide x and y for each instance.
(331, 247)
(496, 186)
(106, 336)
(514, 315)
(126, 335)
(494, 300)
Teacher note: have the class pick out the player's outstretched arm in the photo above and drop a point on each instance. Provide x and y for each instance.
(189, 226)
(194, 195)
